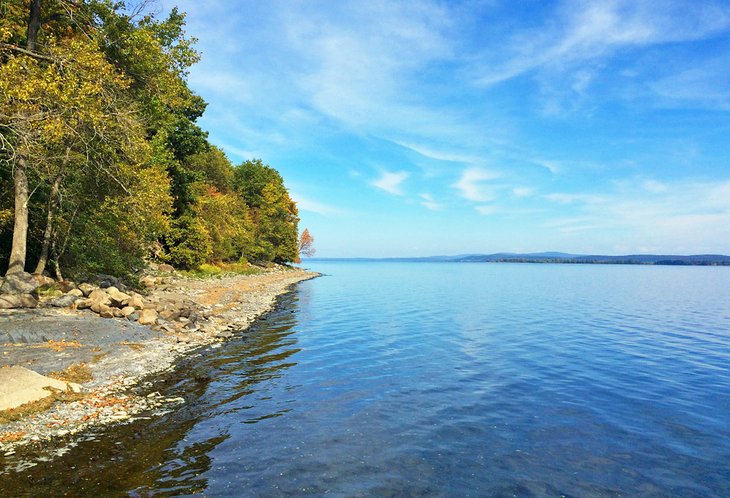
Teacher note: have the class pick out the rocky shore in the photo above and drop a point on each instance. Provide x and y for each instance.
(106, 340)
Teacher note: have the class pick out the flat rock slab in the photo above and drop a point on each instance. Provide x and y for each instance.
(19, 385)
(48, 341)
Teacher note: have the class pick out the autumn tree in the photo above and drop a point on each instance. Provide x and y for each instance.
(306, 244)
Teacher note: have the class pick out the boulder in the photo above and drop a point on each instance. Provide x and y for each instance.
(147, 317)
(86, 288)
(65, 301)
(107, 281)
(19, 283)
(19, 385)
(83, 304)
(75, 292)
(135, 302)
(148, 281)
(133, 317)
(66, 285)
(169, 315)
(106, 311)
(166, 268)
(43, 280)
(117, 297)
(99, 296)
(98, 307)
(127, 310)
(10, 301)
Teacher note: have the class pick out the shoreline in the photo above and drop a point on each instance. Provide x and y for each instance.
(122, 356)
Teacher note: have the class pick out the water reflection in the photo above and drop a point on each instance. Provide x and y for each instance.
(444, 380)
(170, 454)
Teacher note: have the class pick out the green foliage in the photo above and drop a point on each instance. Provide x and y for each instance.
(212, 167)
(225, 219)
(250, 179)
(189, 243)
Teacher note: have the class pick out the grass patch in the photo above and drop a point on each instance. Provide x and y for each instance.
(78, 373)
(39, 406)
(221, 270)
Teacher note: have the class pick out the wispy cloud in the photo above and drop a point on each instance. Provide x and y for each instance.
(428, 202)
(391, 181)
(583, 31)
(305, 203)
(523, 191)
(653, 214)
(486, 210)
(568, 198)
(471, 184)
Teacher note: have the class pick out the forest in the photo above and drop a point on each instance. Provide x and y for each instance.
(102, 163)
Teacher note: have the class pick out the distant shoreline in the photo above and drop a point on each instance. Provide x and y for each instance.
(557, 258)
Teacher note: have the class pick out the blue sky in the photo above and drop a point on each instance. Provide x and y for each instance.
(418, 128)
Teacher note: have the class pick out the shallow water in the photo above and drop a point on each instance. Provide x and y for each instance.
(442, 379)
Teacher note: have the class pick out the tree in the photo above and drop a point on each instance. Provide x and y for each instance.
(306, 245)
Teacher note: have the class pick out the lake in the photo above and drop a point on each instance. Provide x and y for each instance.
(442, 379)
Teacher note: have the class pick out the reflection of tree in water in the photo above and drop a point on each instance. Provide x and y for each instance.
(170, 454)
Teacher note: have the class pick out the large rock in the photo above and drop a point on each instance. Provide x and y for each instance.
(64, 301)
(148, 281)
(18, 386)
(87, 288)
(147, 317)
(11, 301)
(107, 281)
(83, 304)
(166, 268)
(99, 296)
(118, 298)
(127, 310)
(135, 302)
(66, 285)
(19, 283)
(44, 281)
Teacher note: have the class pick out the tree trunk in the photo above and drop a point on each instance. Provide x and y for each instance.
(48, 233)
(20, 224)
(34, 25)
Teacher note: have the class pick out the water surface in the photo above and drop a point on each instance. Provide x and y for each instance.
(443, 379)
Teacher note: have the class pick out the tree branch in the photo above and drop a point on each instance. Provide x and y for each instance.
(27, 52)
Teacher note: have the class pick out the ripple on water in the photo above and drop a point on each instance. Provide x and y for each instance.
(455, 380)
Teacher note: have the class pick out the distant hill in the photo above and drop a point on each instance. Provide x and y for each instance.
(560, 257)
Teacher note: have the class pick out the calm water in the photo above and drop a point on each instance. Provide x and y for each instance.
(389, 379)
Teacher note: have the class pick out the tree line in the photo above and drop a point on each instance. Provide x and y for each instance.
(102, 162)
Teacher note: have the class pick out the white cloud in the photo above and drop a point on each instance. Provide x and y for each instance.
(471, 184)
(429, 203)
(705, 84)
(582, 31)
(391, 181)
(312, 206)
(439, 155)
(523, 191)
(697, 213)
(564, 198)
